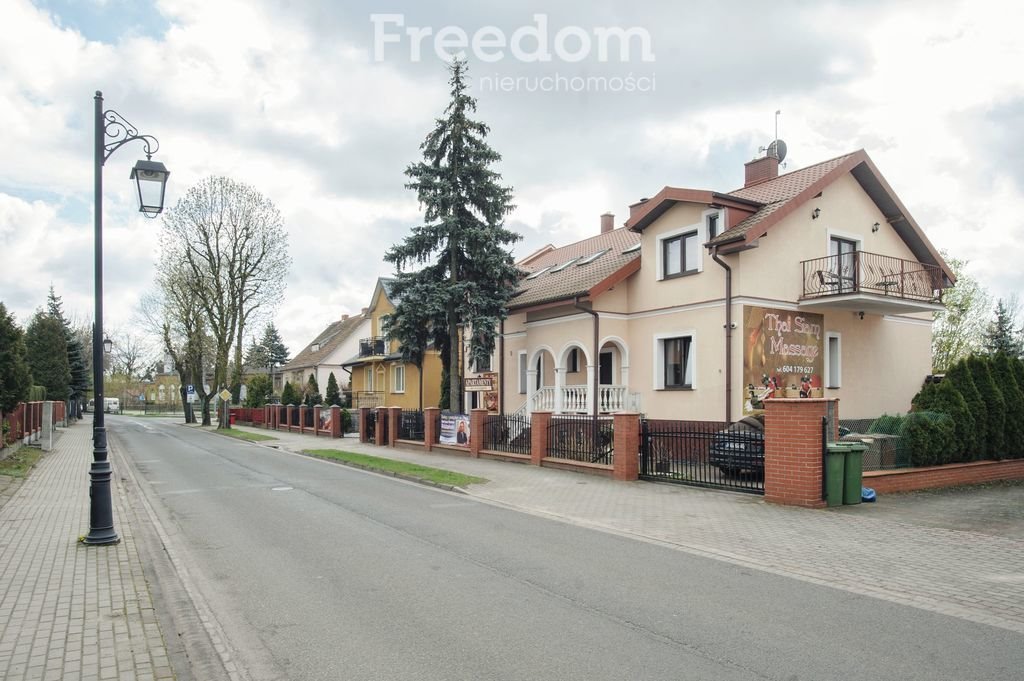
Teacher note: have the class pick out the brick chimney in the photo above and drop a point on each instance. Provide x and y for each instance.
(344, 317)
(363, 311)
(761, 169)
(607, 222)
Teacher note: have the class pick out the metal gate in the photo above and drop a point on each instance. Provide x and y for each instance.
(704, 453)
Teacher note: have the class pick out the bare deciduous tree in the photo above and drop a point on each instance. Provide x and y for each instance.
(224, 248)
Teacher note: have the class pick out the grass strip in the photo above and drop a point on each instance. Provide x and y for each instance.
(244, 435)
(20, 462)
(435, 475)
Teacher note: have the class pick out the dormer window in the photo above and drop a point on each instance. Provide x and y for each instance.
(316, 347)
(712, 224)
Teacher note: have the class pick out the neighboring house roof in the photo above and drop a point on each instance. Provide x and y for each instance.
(547, 283)
(775, 198)
(326, 342)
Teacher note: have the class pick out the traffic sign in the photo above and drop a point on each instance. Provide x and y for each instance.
(225, 394)
(190, 389)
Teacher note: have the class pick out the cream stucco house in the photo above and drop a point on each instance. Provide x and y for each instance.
(817, 282)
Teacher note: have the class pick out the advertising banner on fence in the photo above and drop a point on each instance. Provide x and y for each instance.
(454, 429)
(783, 355)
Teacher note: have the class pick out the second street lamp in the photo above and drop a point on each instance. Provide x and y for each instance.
(111, 132)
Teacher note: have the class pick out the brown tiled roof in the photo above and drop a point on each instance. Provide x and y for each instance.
(329, 339)
(777, 193)
(576, 279)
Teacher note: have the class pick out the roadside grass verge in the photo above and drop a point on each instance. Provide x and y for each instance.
(20, 462)
(243, 435)
(437, 476)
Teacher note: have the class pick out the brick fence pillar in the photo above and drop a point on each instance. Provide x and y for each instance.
(335, 429)
(379, 436)
(430, 427)
(626, 464)
(539, 421)
(364, 418)
(394, 418)
(317, 410)
(302, 417)
(792, 451)
(477, 417)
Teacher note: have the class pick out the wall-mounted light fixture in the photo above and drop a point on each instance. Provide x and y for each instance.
(861, 314)
(815, 213)
(874, 227)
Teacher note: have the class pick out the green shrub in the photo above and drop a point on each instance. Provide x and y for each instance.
(995, 407)
(289, 395)
(929, 437)
(959, 376)
(887, 424)
(943, 398)
(346, 421)
(1003, 374)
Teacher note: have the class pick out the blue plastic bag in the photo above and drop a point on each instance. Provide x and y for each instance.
(867, 494)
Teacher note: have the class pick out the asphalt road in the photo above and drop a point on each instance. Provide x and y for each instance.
(318, 571)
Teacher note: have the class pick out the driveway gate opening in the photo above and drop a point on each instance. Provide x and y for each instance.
(704, 453)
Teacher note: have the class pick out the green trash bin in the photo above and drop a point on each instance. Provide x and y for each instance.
(853, 472)
(835, 457)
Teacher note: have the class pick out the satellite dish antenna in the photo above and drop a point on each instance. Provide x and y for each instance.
(777, 149)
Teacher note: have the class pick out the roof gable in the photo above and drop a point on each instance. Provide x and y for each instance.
(326, 342)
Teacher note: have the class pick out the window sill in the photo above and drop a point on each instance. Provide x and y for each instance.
(688, 273)
(677, 388)
(832, 387)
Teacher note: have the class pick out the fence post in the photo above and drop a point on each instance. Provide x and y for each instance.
(317, 410)
(793, 451)
(379, 436)
(394, 418)
(477, 418)
(539, 422)
(335, 421)
(430, 427)
(302, 418)
(626, 465)
(364, 417)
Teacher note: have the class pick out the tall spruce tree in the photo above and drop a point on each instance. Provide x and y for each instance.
(48, 355)
(275, 348)
(311, 393)
(1000, 336)
(461, 250)
(15, 376)
(80, 378)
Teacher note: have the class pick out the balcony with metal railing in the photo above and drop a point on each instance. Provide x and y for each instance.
(870, 282)
(374, 346)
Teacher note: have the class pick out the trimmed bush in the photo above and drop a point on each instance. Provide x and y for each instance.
(995, 407)
(887, 424)
(1003, 373)
(943, 398)
(346, 421)
(929, 436)
(289, 395)
(959, 375)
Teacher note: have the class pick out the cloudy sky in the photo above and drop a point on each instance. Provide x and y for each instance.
(321, 105)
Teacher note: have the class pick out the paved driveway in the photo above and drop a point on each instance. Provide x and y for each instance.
(995, 509)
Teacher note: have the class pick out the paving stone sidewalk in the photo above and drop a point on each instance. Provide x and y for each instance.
(975, 576)
(70, 611)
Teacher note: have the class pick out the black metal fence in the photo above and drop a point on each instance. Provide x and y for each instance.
(581, 438)
(704, 453)
(507, 433)
(411, 426)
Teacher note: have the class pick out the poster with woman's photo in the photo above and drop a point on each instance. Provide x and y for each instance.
(455, 429)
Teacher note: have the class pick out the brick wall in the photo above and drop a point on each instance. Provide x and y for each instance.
(792, 457)
(949, 475)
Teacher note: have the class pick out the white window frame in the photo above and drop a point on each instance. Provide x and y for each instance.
(830, 380)
(368, 379)
(659, 358)
(701, 230)
(705, 235)
(396, 371)
(524, 375)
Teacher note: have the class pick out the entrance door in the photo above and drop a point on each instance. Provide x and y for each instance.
(844, 252)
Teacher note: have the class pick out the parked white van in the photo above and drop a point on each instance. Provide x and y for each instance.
(111, 405)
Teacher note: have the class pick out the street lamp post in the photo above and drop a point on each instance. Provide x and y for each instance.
(111, 132)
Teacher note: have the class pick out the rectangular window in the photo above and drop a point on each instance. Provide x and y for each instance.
(678, 362)
(712, 226)
(522, 373)
(398, 378)
(679, 255)
(483, 364)
(833, 361)
(368, 379)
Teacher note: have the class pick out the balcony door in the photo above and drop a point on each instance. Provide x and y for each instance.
(844, 262)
